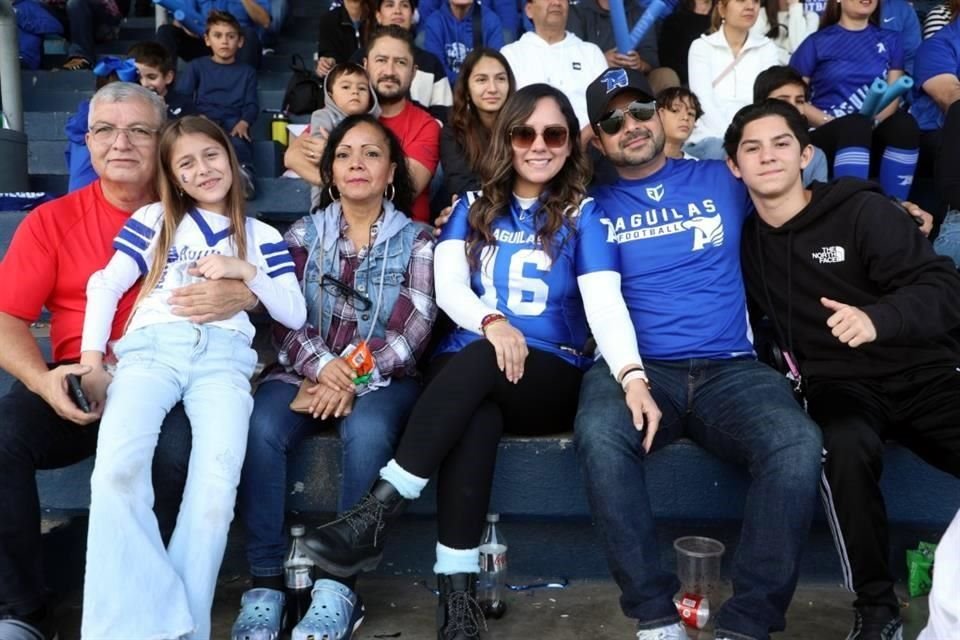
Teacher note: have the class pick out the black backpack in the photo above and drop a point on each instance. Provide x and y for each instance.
(304, 92)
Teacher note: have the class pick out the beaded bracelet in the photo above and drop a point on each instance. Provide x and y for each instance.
(489, 320)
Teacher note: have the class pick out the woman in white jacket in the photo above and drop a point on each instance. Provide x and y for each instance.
(723, 66)
(787, 24)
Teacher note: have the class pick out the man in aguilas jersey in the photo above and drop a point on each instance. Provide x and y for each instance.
(678, 225)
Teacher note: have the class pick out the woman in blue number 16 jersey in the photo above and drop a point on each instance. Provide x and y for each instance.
(520, 268)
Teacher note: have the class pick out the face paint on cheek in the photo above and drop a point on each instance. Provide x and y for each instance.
(184, 179)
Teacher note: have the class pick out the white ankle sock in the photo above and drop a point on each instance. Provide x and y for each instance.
(451, 561)
(406, 484)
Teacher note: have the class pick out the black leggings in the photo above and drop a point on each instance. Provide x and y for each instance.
(458, 421)
(899, 130)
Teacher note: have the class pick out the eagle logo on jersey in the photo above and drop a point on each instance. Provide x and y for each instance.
(706, 231)
(655, 193)
(614, 79)
(611, 229)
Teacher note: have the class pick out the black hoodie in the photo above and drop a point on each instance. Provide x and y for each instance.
(853, 245)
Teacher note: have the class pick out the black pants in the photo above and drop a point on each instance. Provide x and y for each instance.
(920, 409)
(458, 421)
(32, 437)
(180, 44)
(899, 130)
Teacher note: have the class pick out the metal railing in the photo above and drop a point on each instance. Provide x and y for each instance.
(11, 92)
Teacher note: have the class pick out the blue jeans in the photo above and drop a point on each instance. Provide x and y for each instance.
(948, 242)
(369, 436)
(209, 368)
(739, 410)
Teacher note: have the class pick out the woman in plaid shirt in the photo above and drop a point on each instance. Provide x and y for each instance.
(367, 275)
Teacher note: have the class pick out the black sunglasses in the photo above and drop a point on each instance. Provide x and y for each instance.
(339, 288)
(612, 122)
(523, 136)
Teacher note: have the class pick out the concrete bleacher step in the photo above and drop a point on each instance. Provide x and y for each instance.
(46, 157)
(60, 80)
(67, 99)
(539, 491)
(278, 199)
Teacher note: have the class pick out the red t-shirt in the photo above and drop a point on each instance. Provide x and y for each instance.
(53, 253)
(419, 136)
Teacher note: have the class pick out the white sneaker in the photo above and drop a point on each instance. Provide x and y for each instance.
(673, 631)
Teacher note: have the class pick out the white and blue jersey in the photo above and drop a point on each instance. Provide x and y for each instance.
(937, 56)
(678, 231)
(537, 294)
(200, 233)
(841, 65)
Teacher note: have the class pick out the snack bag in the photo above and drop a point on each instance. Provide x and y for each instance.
(920, 569)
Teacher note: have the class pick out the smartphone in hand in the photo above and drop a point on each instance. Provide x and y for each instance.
(76, 392)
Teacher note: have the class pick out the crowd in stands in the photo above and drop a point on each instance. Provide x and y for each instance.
(494, 189)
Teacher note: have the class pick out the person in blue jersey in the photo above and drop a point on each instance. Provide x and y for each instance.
(520, 268)
(678, 225)
(839, 62)
(455, 29)
(937, 110)
(856, 294)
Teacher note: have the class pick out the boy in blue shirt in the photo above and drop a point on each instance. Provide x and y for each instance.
(225, 90)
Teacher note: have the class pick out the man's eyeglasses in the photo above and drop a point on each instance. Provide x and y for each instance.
(341, 289)
(107, 134)
(523, 136)
(611, 123)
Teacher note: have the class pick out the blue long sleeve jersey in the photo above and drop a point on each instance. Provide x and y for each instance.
(538, 294)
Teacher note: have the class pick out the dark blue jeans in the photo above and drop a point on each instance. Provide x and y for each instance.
(369, 436)
(32, 437)
(739, 410)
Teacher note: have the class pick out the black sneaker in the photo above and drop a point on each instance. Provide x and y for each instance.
(876, 623)
(354, 542)
(459, 616)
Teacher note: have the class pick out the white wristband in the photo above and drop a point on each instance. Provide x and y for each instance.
(634, 375)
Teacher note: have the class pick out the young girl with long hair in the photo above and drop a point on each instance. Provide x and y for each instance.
(519, 268)
(483, 87)
(134, 587)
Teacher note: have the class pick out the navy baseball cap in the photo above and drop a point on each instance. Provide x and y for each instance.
(611, 83)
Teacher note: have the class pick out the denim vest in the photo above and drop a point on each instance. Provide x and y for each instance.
(384, 268)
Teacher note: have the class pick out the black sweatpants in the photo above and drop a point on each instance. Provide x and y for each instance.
(456, 425)
(919, 408)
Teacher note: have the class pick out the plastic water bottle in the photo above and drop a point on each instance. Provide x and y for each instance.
(493, 569)
(298, 577)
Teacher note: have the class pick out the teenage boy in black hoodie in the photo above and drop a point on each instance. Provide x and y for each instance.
(858, 297)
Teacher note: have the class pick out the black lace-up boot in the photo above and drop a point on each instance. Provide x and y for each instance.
(459, 616)
(354, 542)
